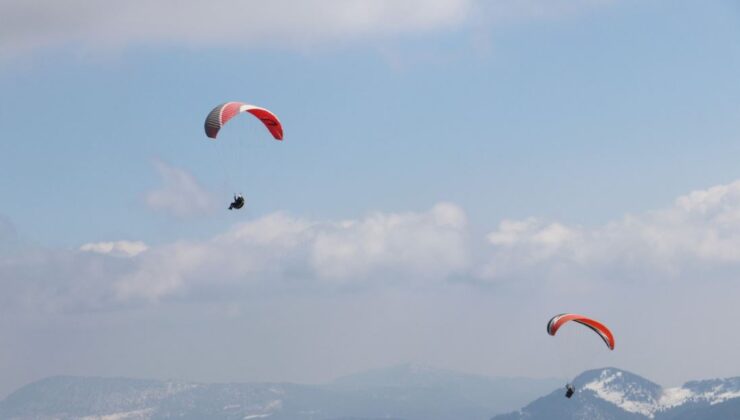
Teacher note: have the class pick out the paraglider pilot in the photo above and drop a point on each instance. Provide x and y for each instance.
(238, 202)
(569, 390)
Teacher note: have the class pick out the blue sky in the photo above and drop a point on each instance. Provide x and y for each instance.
(563, 116)
(541, 119)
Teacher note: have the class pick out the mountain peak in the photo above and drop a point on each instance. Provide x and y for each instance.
(612, 393)
(626, 390)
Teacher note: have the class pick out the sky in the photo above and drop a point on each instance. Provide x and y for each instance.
(453, 174)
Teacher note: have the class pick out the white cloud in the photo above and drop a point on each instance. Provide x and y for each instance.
(531, 231)
(31, 24)
(39, 23)
(116, 249)
(416, 246)
(427, 244)
(180, 194)
(702, 227)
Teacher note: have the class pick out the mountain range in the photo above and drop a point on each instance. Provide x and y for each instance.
(405, 392)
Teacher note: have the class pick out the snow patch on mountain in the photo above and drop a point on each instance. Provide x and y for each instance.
(610, 386)
(129, 415)
(674, 397)
(722, 397)
(614, 386)
(715, 391)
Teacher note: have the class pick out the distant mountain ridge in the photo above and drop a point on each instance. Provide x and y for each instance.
(406, 392)
(614, 394)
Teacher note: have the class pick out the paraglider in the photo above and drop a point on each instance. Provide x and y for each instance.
(600, 329)
(237, 203)
(221, 114)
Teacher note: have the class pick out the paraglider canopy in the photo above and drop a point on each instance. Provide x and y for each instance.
(559, 320)
(221, 114)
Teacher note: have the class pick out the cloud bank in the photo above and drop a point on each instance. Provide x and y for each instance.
(30, 25)
(380, 247)
(273, 250)
(698, 235)
(701, 231)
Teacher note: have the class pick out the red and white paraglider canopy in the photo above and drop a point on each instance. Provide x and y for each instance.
(221, 114)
